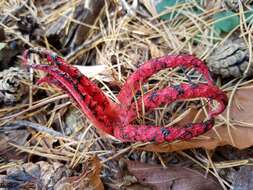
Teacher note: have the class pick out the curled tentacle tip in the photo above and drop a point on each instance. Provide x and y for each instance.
(222, 100)
(25, 57)
(46, 79)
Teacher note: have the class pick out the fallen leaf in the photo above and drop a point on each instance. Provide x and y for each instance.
(87, 13)
(241, 109)
(172, 177)
(89, 179)
(99, 72)
(241, 116)
(244, 178)
(40, 175)
(241, 135)
(7, 151)
(125, 180)
(94, 175)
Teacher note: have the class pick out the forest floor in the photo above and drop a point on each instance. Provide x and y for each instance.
(48, 143)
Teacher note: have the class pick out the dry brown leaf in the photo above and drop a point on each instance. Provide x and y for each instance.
(125, 180)
(94, 176)
(7, 151)
(87, 12)
(89, 179)
(241, 109)
(40, 175)
(244, 178)
(242, 133)
(242, 137)
(172, 177)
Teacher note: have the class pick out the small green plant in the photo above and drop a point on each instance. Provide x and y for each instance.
(164, 4)
(225, 21)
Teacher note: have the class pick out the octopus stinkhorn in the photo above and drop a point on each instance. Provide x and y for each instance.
(117, 118)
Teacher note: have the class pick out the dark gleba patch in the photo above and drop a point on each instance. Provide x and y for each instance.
(153, 96)
(179, 89)
(165, 131)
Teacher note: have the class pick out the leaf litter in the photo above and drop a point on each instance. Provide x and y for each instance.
(121, 36)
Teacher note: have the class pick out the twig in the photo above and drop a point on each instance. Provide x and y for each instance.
(23, 124)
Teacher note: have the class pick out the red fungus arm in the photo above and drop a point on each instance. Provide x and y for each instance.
(139, 77)
(90, 107)
(180, 92)
(132, 133)
(114, 119)
(88, 86)
(144, 133)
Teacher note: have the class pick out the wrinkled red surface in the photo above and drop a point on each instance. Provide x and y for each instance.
(116, 119)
